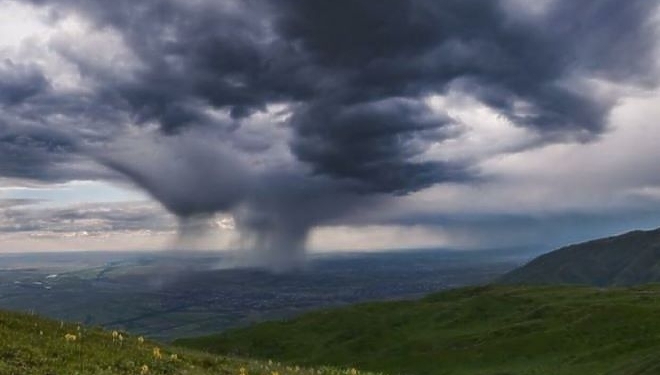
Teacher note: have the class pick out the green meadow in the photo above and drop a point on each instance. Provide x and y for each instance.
(513, 330)
(30, 345)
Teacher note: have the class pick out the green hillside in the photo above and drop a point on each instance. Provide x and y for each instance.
(629, 259)
(33, 346)
(477, 331)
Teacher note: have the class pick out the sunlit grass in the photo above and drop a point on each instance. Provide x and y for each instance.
(31, 345)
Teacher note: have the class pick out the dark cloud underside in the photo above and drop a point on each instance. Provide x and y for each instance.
(354, 74)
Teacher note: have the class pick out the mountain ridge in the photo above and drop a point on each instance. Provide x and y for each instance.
(631, 258)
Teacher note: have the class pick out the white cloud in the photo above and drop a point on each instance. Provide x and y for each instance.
(20, 23)
(376, 237)
(32, 34)
(480, 130)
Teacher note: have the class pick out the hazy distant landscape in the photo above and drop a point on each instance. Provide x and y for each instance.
(171, 295)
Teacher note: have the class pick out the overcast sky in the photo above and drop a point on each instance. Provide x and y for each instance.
(280, 125)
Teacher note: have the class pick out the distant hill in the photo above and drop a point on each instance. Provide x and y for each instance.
(629, 259)
(30, 345)
(514, 330)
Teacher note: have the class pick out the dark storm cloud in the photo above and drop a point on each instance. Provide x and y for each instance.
(282, 208)
(345, 62)
(19, 82)
(189, 175)
(194, 54)
(34, 153)
(274, 210)
(416, 47)
(373, 143)
(43, 151)
(354, 75)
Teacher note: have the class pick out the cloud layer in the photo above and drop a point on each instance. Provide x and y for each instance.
(289, 115)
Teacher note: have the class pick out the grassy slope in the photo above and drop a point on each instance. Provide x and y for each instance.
(629, 259)
(30, 345)
(485, 330)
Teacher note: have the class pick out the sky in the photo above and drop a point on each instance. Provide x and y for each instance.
(280, 126)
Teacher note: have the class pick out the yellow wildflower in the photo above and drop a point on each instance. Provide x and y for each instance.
(242, 371)
(174, 357)
(144, 370)
(156, 353)
(353, 371)
(140, 340)
(70, 337)
(115, 334)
